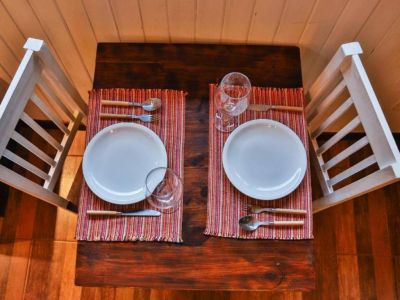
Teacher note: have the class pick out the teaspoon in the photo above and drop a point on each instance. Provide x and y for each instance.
(249, 223)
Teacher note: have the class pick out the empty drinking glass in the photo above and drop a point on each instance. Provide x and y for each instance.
(163, 188)
(231, 99)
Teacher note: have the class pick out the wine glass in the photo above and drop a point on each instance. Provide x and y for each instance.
(231, 99)
(163, 188)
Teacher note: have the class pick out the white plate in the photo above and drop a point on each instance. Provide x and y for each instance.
(264, 159)
(118, 159)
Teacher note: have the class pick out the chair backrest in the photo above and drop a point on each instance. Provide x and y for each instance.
(40, 81)
(344, 90)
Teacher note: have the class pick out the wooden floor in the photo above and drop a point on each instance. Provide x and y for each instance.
(357, 250)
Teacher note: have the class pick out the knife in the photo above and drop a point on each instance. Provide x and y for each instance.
(132, 213)
(266, 107)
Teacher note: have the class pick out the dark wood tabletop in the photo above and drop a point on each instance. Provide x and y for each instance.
(201, 262)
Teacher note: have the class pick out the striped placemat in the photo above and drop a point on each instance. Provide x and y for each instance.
(226, 204)
(171, 130)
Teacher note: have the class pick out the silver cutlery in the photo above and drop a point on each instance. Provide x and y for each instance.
(255, 209)
(150, 104)
(249, 223)
(133, 213)
(144, 118)
(266, 107)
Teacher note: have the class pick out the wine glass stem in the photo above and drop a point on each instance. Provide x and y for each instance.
(224, 122)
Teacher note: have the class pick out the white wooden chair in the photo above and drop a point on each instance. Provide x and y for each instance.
(40, 80)
(343, 86)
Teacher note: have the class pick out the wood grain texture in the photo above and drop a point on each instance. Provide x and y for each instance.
(28, 23)
(335, 272)
(209, 20)
(348, 277)
(10, 32)
(326, 259)
(315, 26)
(9, 61)
(193, 67)
(128, 20)
(293, 20)
(384, 52)
(4, 76)
(181, 20)
(17, 272)
(345, 30)
(25, 229)
(321, 22)
(102, 19)
(265, 20)
(155, 20)
(378, 24)
(237, 20)
(230, 264)
(380, 242)
(60, 36)
(78, 23)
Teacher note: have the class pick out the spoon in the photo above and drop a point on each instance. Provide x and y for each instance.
(255, 209)
(150, 104)
(249, 223)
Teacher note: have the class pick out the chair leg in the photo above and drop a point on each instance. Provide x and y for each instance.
(75, 190)
(4, 192)
(72, 207)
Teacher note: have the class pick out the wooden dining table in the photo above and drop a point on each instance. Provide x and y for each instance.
(201, 262)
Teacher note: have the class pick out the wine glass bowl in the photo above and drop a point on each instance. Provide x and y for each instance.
(231, 99)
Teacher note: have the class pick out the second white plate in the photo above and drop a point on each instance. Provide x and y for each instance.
(264, 159)
(118, 159)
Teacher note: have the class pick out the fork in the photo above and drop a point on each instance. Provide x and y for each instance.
(255, 209)
(144, 118)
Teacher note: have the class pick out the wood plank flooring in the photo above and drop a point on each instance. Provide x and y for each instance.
(357, 250)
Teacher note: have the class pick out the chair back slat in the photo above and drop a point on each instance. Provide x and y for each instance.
(318, 107)
(49, 113)
(50, 93)
(362, 142)
(25, 164)
(40, 131)
(365, 163)
(345, 106)
(339, 135)
(20, 139)
(25, 185)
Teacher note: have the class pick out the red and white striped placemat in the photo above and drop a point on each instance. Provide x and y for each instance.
(171, 130)
(226, 204)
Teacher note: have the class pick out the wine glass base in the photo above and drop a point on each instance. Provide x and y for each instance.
(164, 208)
(163, 189)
